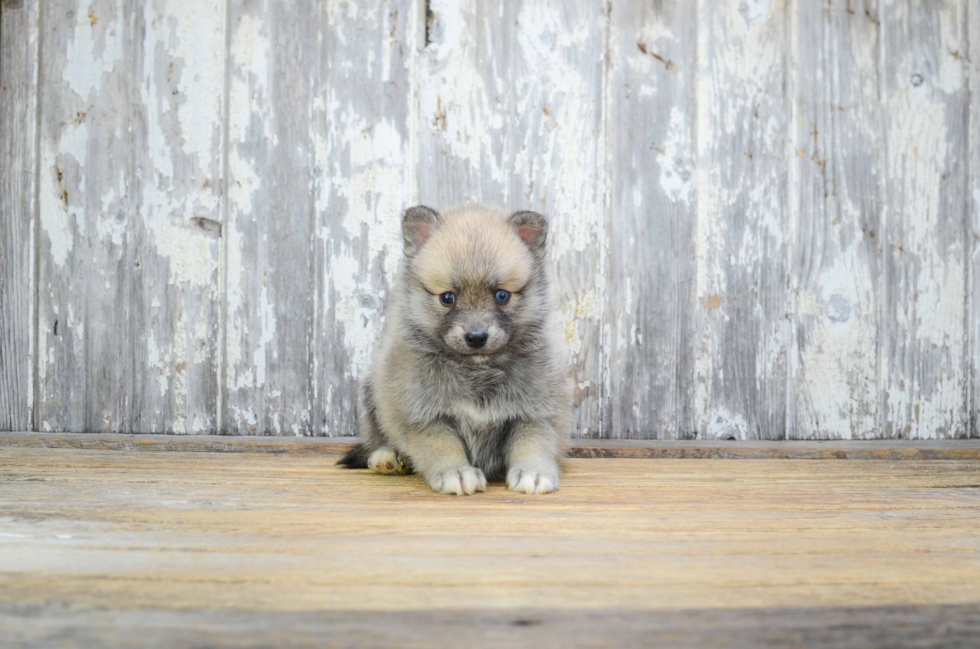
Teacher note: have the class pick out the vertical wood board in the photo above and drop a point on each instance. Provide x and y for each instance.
(129, 214)
(18, 159)
(925, 96)
(835, 210)
(973, 232)
(270, 252)
(742, 276)
(650, 119)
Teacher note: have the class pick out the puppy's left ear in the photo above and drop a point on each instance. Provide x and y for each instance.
(532, 228)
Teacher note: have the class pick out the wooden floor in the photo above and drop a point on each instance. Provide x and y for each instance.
(98, 547)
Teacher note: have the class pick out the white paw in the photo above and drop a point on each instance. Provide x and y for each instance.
(459, 480)
(385, 460)
(533, 480)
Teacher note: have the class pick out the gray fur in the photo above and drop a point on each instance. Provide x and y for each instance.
(458, 416)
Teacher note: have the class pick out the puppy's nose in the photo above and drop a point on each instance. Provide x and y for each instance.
(476, 339)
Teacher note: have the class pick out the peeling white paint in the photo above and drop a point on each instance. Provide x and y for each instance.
(250, 58)
(511, 113)
(740, 124)
(927, 270)
(374, 188)
(246, 416)
(60, 209)
(725, 425)
(454, 92)
(346, 281)
(200, 49)
(267, 333)
(156, 363)
(95, 50)
(167, 208)
(676, 177)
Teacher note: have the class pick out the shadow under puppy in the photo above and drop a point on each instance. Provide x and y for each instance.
(468, 385)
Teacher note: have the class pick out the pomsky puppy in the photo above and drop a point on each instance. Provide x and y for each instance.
(468, 385)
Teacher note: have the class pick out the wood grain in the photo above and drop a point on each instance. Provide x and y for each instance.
(650, 127)
(925, 93)
(281, 533)
(18, 160)
(129, 214)
(742, 244)
(270, 254)
(835, 213)
(320, 168)
(526, 132)
(873, 627)
(973, 238)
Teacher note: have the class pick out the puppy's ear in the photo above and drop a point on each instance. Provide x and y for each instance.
(532, 228)
(418, 224)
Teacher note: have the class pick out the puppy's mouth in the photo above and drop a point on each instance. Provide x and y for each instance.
(477, 355)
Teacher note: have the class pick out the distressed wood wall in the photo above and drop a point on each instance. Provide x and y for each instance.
(765, 215)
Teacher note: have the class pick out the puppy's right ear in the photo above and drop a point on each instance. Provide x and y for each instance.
(418, 224)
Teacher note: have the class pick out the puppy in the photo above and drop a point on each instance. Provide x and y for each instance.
(467, 385)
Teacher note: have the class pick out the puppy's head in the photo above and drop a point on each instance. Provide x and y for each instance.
(475, 277)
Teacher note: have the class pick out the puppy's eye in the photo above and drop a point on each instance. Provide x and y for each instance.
(502, 296)
(448, 298)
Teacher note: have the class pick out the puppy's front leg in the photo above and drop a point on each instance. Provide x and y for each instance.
(438, 454)
(532, 458)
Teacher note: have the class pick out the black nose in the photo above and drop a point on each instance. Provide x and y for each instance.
(476, 339)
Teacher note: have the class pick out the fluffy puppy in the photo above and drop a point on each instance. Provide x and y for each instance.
(468, 385)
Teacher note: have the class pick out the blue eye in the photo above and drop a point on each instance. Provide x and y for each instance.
(502, 296)
(448, 298)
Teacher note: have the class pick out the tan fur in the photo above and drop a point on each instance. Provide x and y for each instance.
(473, 243)
(459, 415)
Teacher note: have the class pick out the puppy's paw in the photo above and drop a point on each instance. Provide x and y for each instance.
(533, 479)
(458, 480)
(385, 460)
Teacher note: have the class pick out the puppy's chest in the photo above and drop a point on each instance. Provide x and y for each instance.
(478, 402)
(475, 416)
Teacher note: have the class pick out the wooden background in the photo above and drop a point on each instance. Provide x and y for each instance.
(764, 214)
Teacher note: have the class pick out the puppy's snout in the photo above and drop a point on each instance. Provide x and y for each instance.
(476, 339)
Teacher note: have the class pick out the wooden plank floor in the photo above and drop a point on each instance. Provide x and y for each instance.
(261, 549)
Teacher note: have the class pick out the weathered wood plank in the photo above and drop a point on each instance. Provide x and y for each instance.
(947, 626)
(835, 209)
(924, 372)
(18, 208)
(320, 168)
(129, 211)
(973, 238)
(365, 176)
(271, 274)
(511, 115)
(650, 339)
(742, 276)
